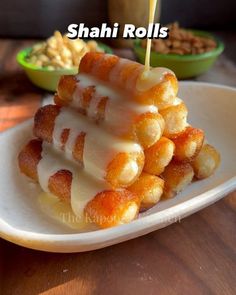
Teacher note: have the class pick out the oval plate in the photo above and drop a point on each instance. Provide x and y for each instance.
(211, 107)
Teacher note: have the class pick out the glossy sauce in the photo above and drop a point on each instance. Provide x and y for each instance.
(100, 147)
(83, 186)
(150, 76)
(152, 9)
(117, 104)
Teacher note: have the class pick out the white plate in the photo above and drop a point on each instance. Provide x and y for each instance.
(211, 107)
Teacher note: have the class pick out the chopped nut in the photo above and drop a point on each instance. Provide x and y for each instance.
(181, 42)
(60, 52)
(159, 45)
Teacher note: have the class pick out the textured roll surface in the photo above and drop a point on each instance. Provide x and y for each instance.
(112, 208)
(206, 162)
(175, 118)
(108, 208)
(124, 74)
(176, 176)
(158, 156)
(149, 188)
(188, 144)
(121, 171)
(145, 127)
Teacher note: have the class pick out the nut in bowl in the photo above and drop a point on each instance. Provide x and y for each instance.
(188, 53)
(46, 62)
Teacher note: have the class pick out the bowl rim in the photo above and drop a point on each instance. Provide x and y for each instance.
(21, 55)
(187, 57)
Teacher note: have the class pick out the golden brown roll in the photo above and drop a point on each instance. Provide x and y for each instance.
(160, 88)
(140, 123)
(107, 208)
(124, 165)
(65, 90)
(175, 117)
(147, 129)
(188, 144)
(176, 176)
(149, 188)
(111, 208)
(206, 162)
(158, 156)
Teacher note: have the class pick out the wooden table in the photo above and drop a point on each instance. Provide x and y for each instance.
(194, 256)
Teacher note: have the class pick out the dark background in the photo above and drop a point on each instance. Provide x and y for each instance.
(39, 18)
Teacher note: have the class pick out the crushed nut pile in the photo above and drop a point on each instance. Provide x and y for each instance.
(181, 42)
(59, 52)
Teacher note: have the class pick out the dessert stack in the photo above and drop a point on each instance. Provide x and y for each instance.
(116, 141)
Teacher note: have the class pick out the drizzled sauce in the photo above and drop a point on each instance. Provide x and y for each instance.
(100, 147)
(83, 186)
(150, 76)
(152, 9)
(117, 104)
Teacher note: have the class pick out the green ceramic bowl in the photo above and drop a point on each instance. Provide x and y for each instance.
(43, 77)
(184, 66)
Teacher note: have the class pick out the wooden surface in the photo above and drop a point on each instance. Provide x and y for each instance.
(194, 256)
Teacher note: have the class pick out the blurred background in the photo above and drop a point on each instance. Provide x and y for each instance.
(27, 18)
(39, 19)
(24, 22)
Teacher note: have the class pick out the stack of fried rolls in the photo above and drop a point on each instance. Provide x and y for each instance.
(133, 137)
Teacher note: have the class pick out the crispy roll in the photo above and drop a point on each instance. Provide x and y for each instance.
(107, 208)
(140, 123)
(175, 117)
(188, 144)
(206, 162)
(59, 184)
(159, 87)
(149, 188)
(66, 88)
(176, 176)
(106, 157)
(148, 129)
(112, 208)
(158, 156)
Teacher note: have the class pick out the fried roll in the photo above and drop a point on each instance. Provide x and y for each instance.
(111, 208)
(176, 176)
(149, 188)
(175, 117)
(158, 87)
(106, 208)
(188, 144)
(102, 155)
(105, 106)
(206, 162)
(158, 156)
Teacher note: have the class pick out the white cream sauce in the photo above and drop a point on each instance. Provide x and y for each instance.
(152, 9)
(177, 101)
(83, 187)
(62, 212)
(149, 79)
(120, 117)
(100, 147)
(117, 105)
(150, 76)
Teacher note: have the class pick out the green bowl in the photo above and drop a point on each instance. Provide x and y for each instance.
(43, 77)
(184, 66)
